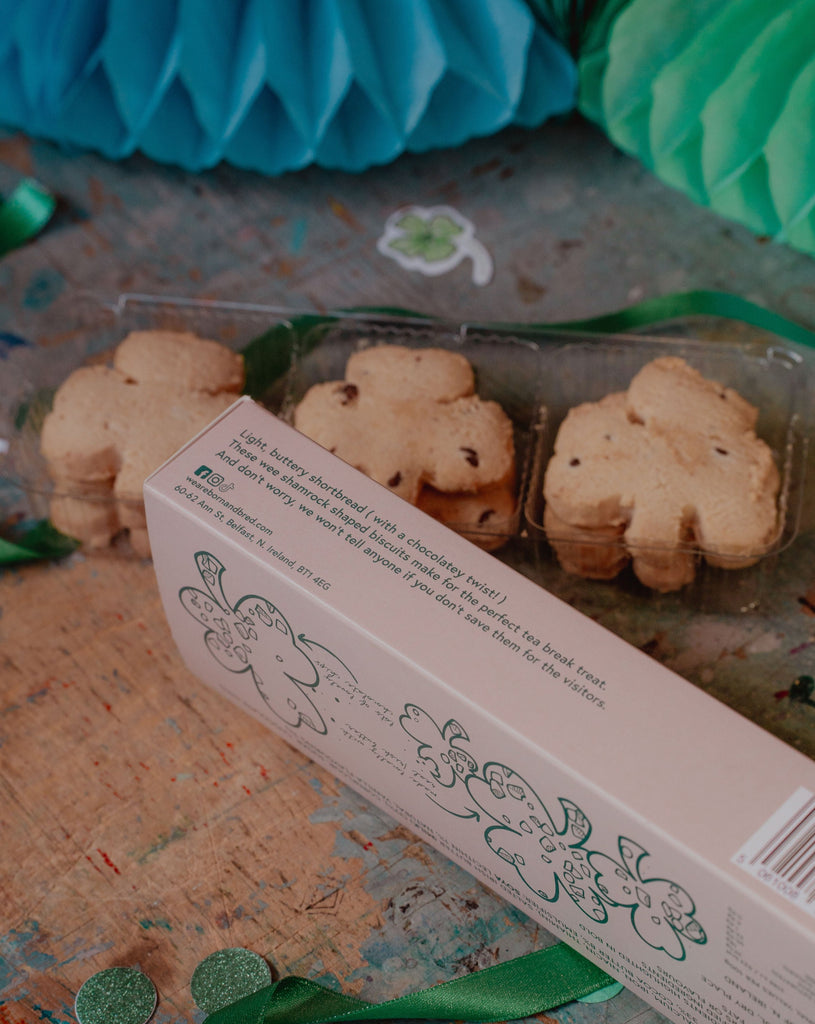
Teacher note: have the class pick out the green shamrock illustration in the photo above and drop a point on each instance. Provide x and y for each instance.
(252, 636)
(443, 749)
(549, 855)
(428, 239)
(550, 851)
(662, 912)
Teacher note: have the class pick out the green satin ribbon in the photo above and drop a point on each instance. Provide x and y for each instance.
(24, 214)
(519, 988)
(664, 308)
(651, 313)
(39, 540)
(11, 553)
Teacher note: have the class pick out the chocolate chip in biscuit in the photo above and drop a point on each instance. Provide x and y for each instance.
(470, 456)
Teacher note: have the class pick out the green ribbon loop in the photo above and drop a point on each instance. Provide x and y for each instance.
(518, 988)
(24, 214)
(12, 553)
(40, 540)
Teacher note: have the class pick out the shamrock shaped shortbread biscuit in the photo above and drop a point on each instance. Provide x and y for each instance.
(111, 426)
(410, 419)
(668, 468)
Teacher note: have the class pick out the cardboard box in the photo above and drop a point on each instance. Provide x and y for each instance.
(654, 829)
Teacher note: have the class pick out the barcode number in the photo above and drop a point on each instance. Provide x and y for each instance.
(782, 852)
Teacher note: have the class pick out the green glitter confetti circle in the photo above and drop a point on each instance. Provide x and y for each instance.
(226, 976)
(118, 995)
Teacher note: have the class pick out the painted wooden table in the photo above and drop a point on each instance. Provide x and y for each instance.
(145, 821)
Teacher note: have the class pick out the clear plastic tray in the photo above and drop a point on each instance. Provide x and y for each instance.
(535, 374)
(285, 353)
(770, 376)
(507, 370)
(31, 373)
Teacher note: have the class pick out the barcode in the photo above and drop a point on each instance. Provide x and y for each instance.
(782, 852)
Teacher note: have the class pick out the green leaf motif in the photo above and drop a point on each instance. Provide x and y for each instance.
(411, 224)
(444, 227)
(438, 249)
(427, 239)
(408, 244)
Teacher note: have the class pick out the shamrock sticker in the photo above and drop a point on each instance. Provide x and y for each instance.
(434, 240)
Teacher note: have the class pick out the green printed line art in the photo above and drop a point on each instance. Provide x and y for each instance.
(662, 912)
(253, 636)
(547, 841)
(549, 859)
(441, 749)
(550, 851)
(434, 240)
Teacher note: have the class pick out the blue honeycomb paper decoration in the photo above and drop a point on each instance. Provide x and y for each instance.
(276, 85)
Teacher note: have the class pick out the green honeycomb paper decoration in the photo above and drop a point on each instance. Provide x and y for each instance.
(717, 98)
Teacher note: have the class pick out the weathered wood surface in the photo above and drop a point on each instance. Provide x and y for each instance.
(147, 822)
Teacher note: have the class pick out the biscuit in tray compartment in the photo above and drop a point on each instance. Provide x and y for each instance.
(410, 418)
(485, 517)
(110, 427)
(191, 363)
(661, 474)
